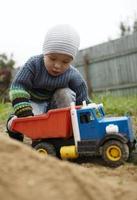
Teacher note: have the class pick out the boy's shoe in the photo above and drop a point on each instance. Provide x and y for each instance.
(13, 135)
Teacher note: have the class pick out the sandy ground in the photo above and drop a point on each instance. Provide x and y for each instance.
(25, 175)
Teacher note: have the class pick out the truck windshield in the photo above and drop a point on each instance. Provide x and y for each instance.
(100, 112)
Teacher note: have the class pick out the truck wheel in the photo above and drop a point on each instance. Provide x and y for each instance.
(115, 153)
(45, 149)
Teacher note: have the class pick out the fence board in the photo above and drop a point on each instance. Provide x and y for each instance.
(112, 65)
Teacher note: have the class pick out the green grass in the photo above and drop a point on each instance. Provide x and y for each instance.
(5, 110)
(114, 106)
(118, 106)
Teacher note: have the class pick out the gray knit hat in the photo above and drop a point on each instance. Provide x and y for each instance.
(62, 39)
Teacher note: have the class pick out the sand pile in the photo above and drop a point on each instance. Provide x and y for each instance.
(24, 175)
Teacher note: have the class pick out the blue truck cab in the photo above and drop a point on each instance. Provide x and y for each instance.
(111, 137)
(94, 125)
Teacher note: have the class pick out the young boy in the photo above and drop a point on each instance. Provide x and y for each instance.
(49, 81)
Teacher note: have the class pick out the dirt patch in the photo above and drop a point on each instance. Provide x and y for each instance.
(2, 128)
(25, 175)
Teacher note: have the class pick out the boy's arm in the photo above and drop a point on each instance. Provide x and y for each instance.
(82, 94)
(18, 92)
(20, 101)
(79, 86)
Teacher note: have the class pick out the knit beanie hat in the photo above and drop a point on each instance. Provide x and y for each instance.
(62, 39)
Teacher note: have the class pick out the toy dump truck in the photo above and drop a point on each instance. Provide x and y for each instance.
(78, 131)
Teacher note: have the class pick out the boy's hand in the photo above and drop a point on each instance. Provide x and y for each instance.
(10, 122)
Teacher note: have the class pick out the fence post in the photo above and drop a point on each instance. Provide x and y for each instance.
(87, 75)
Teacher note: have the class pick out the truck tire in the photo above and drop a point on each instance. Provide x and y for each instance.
(115, 153)
(45, 149)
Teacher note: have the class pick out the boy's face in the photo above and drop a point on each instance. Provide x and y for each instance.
(57, 64)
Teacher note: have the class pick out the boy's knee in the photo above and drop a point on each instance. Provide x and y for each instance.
(64, 97)
(65, 92)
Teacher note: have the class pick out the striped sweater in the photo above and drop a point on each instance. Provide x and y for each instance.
(33, 82)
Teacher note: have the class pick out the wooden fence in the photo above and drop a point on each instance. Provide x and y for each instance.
(111, 66)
